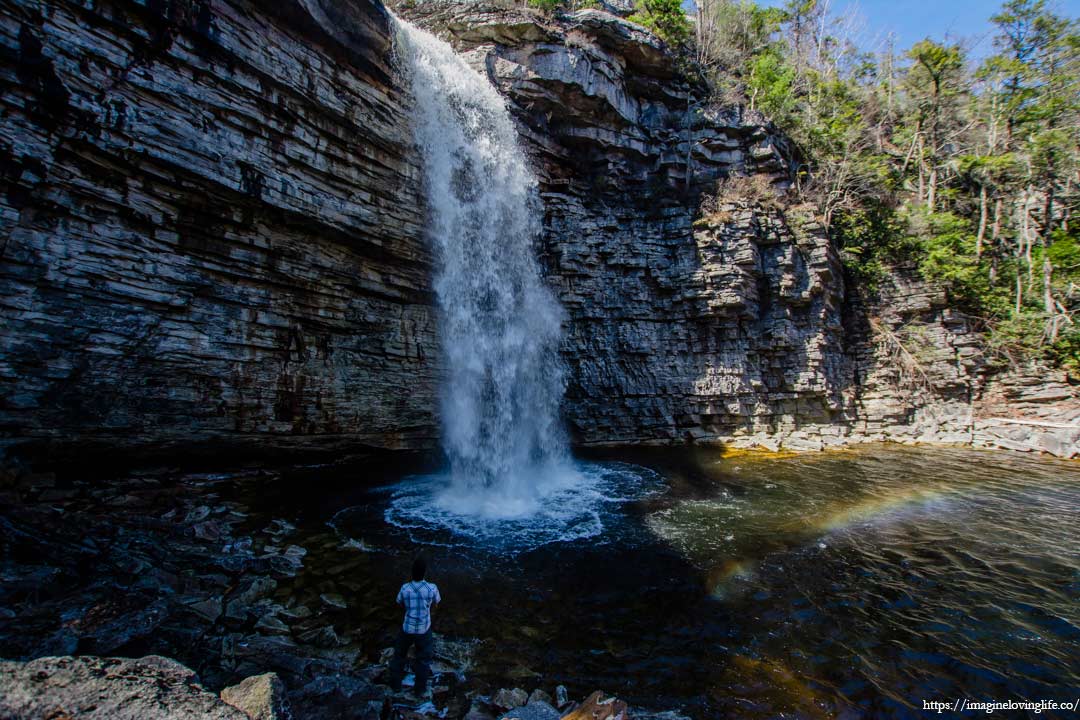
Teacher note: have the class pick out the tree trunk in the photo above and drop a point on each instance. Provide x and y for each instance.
(931, 198)
(922, 168)
(994, 235)
(1027, 236)
(1019, 288)
(982, 223)
(1048, 290)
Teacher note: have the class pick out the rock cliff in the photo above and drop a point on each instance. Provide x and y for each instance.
(733, 325)
(211, 226)
(676, 332)
(212, 229)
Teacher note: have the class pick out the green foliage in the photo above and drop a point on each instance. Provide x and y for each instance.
(547, 6)
(771, 85)
(947, 254)
(666, 18)
(870, 237)
(1064, 253)
(1065, 351)
(915, 157)
(934, 67)
(1022, 337)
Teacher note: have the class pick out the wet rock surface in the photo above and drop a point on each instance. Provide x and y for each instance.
(155, 687)
(125, 570)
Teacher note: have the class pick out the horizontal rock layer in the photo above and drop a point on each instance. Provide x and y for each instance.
(211, 226)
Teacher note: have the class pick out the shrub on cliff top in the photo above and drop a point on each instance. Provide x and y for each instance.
(547, 6)
(666, 18)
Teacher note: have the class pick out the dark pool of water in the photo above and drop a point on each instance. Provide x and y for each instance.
(854, 583)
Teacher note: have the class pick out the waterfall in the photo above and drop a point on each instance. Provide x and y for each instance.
(500, 326)
(511, 484)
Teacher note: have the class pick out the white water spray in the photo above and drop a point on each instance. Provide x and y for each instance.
(500, 325)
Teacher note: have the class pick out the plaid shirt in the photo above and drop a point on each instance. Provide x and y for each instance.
(417, 597)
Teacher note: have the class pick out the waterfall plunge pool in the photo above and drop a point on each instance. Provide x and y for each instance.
(857, 582)
(851, 583)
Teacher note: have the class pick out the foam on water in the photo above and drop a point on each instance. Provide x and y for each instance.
(499, 324)
(580, 503)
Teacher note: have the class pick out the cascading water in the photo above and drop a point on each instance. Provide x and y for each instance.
(500, 325)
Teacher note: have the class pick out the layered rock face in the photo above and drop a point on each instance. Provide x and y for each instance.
(211, 226)
(729, 329)
(733, 326)
(213, 229)
(924, 374)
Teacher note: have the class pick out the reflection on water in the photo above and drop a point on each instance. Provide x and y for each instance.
(850, 583)
(901, 574)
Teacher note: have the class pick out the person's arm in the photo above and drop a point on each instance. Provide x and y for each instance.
(438, 598)
(400, 600)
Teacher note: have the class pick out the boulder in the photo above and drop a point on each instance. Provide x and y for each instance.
(102, 688)
(539, 695)
(536, 710)
(477, 711)
(334, 601)
(597, 707)
(208, 609)
(507, 699)
(105, 629)
(261, 697)
(269, 625)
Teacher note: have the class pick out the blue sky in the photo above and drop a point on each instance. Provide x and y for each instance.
(913, 20)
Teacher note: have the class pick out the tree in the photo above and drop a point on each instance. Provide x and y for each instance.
(975, 176)
(666, 18)
(934, 83)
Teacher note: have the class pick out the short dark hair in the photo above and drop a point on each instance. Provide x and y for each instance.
(419, 568)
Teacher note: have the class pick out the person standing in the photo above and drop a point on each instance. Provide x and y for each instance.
(417, 597)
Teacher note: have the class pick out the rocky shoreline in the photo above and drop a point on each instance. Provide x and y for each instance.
(154, 594)
(159, 688)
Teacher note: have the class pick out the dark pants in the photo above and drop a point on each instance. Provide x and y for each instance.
(421, 665)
